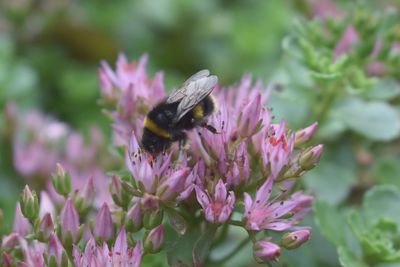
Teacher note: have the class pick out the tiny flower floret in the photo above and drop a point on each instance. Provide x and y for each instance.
(217, 209)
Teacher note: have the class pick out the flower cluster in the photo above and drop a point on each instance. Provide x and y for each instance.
(242, 176)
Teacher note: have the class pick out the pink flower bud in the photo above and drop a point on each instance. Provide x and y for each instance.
(154, 240)
(172, 186)
(21, 224)
(264, 250)
(134, 218)
(46, 227)
(302, 136)
(7, 260)
(86, 196)
(295, 239)
(249, 117)
(103, 227)
(10, 241)
(61, 181)
(45, 205)
(29, 204)
(349, 38)
(55, 249)
(69, 220)
(310, 157)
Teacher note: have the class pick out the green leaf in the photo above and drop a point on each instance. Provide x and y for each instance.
(384, 89)
(329, 220)
(347, 259)
(387, 170)
(330, 175)
(374, 120)
(382, 201)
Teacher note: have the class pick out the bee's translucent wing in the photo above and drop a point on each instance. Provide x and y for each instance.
(181, 92)
(195, 90)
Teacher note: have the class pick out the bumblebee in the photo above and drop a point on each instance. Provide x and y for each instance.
(184, 109)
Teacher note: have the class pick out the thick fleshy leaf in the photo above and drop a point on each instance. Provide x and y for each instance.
(382, 202)
(374, 120)
(347, 259)
(329, 220)
(384, 89)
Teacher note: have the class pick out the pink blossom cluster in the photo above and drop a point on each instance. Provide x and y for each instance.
(242, 176)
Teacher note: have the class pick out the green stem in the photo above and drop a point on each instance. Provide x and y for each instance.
(235, 223)
(329, 96)
(232, 253)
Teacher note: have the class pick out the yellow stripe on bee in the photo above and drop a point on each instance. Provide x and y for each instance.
(154, 128)
(198, 112)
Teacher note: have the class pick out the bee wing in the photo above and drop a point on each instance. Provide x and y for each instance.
(195, 91)
(181, 92)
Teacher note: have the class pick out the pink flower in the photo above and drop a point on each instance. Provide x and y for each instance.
(217, 209)
(261, 213)
(103, 227)
(276, 148)
(157, 178)
(119, 256)
(264, 250)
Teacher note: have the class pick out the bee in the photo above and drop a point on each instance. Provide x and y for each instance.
(184, 109)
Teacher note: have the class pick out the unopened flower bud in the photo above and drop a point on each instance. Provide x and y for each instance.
(310, 157)
(56, 255)
(153, 215)
(264, 250)
(21, 225)
(46, 227)
(154, 240)
(103, 227)
(302, 136)
(69, 221)
(249, 119)
(29, 204)
(134, 218)
(118, 193)
(7, 260)
(85, 198)
(295, 239)
(61, 181)
(10, 241)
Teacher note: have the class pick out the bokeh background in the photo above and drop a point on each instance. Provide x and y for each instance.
(50, 51)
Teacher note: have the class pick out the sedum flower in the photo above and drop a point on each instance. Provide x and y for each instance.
(134, 219)
(119, 256)
(56, 255)
(103, 227)
(275, 215)
(157, 178)
(46, 227)
(69, 222)
(154, 239)
(302, 136)
(218, 208)
(276, 149)
(264, 250)
(310, 157)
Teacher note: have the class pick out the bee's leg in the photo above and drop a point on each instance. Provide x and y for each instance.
(209, 127)
(182, 138)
